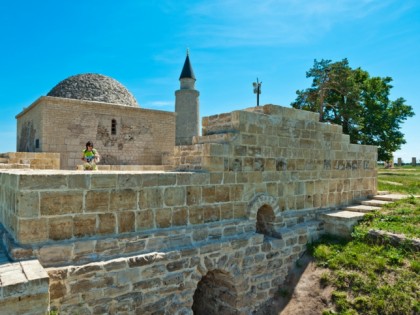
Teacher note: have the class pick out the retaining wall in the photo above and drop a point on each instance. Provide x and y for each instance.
(222, 235)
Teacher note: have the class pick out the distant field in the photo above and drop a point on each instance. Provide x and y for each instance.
(405, 179)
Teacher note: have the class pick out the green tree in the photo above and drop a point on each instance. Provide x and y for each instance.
(358, 102)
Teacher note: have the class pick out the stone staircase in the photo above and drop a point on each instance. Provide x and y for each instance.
(341, 222)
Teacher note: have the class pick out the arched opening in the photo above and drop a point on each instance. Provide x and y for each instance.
(113, 127)
(265, 221)
(215, 295)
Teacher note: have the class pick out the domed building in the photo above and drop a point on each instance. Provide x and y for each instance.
(100, 109)
(94, 87)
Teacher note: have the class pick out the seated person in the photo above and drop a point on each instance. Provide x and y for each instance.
(90, 156)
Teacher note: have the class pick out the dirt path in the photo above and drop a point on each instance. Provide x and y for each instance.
(307, 298)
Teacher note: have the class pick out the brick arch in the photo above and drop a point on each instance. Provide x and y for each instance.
(216, 293)
(221, 277)
(260, 201)
(264, 210)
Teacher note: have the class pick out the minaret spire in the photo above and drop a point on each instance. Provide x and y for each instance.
(187, 105)
(187, 71)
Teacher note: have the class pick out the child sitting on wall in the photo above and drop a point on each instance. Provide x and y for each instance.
(90, 156)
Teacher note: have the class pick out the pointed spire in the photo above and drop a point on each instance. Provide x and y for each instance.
(187, 70)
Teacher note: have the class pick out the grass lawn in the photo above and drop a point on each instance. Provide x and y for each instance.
(404, 180)
(372, 278)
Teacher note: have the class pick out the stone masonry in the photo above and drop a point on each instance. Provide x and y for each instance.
(63, 125)
(216, 235)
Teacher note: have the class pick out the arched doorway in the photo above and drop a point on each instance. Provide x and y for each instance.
(265, 221)
(215, 295)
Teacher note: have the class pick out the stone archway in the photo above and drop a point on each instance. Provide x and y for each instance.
(265, 210)
(215, 295)
(265, 220)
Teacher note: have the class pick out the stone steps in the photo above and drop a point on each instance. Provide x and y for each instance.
(390, 197)
(362, 208)
(341, 222)
(375, 202)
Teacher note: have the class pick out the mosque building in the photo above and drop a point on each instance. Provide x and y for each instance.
(100, 109)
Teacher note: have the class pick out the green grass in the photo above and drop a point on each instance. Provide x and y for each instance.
(370, 278)
(401, 217)
(403, 179)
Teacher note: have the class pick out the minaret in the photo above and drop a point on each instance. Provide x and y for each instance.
(186, 106)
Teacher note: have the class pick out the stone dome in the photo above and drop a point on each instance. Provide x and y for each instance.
(94, 87)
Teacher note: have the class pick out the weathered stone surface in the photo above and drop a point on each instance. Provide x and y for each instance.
(32, 230)
(60, 228)
(144, 219)
(27, 204)
(150, 198)
(97, 201)
(163, 218)
(180, 216)
(106, 223)
(84, 225)
(174, 196)
(126, 222)
(123, 200)
(152, 242)
(62, 202)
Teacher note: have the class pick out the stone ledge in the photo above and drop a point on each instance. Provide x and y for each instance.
(341, 223)
(24, 281)
(362, 208)
(394, 239)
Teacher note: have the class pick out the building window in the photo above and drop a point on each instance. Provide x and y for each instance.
(113, 127)
(37, 144)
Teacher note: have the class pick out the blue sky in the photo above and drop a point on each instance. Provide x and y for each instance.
(142, 44)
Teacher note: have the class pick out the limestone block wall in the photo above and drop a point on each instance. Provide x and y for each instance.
(122, 134)
(169, 242)
(154, 232)
(307, 163)
(36, 160)
(69, 205)
(30, 130)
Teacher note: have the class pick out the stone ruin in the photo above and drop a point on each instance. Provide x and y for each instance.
(215, 234)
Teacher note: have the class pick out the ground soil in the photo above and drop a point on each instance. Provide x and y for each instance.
(302, 293)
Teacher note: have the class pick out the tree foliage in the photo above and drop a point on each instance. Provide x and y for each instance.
(358, 102)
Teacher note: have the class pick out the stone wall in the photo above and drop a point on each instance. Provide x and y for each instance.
(29, 130)
(35, 160)
(165, 282)
(218, 240)
(286, 153)
(141, 135)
